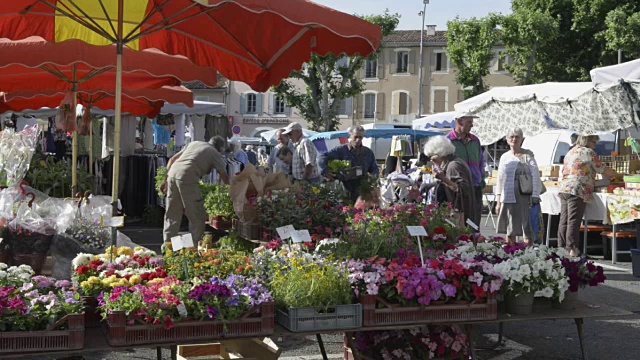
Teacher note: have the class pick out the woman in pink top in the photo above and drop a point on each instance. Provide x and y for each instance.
(581, 164)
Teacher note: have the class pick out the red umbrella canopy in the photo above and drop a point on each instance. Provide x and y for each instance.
(147, 102)
(255, 41)
(34, 64)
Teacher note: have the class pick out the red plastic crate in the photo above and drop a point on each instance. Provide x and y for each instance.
(431, 314)
(52, 339)
(120, 334)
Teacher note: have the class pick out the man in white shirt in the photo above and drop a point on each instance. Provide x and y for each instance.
(304, 165)
(276, 164)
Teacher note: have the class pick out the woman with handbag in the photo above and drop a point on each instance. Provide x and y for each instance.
(517, 190)
(455, 183)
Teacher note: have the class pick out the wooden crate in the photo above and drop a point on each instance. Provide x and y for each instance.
(247, 349)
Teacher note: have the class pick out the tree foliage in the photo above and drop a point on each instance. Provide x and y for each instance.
(470, 48)
(551, 40)
(327, 79)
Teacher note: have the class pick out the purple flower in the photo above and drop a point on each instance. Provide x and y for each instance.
(212, 312)
(43, 282)
(449, 290)
(70, 297)
(63, 284)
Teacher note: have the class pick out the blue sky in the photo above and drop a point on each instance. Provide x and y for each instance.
(438, 11)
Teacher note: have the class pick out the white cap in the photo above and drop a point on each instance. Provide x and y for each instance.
(291, 127)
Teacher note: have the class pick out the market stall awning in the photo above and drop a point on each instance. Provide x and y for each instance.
(377, 134)
(198, 108)
(613, 74)
(579, 107)
(270, 135)
(438, 121)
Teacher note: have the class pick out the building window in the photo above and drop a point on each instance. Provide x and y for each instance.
(460, 95)
(439, 101)
(279, 106)
(402, 62)
(369, 106)
(252, 104)
(341, 107)
(441, 62)
(371, 69)
(403, 103)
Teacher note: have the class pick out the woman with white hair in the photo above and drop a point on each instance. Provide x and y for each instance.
(456, 183)
(235, 148)
(518, 188)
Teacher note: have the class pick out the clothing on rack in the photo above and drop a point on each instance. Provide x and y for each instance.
(180, 128)
(196, 127)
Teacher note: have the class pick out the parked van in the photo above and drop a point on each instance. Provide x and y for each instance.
(551, 146)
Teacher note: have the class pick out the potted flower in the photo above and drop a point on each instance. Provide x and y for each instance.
(581, 273)
(219, 207)
(166, 308)
(530, 273)
(38, 306)
(313, 294)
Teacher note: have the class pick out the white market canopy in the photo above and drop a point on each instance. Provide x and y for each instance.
(199, 108)
(579, 107)
(614, 73)
(270, 135)
(437, 121)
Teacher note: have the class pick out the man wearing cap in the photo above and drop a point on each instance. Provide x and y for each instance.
(184, 171)
(468, 149)
(304, 166)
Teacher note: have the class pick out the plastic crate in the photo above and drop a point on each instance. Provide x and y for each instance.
(317, 318)
(52, 339)
(445, 313)
(635, 262)
(257, 323)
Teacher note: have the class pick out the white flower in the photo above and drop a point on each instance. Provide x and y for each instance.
(82, 260)
(3, 274)
(546, 292)
(122, 259)
(3, 266)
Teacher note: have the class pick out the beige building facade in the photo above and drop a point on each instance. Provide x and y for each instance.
(391, 94)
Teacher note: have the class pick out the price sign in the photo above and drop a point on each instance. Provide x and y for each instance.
(473, 225)
(285, 231)
(301, 236)
(182, 242)
(417, 231)
(116, 221)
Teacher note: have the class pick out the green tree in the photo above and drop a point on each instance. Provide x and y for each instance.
(328, 79)
(470, 46)
(623, 30)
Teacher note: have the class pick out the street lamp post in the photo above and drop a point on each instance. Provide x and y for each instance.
(421, 13)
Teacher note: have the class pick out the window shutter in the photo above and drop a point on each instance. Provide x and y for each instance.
(359, 106)
(259, 98)
(393, 58)
(413, 58)
(433, 61)
(348, 107)
(380, 114)
(395, 101)
(243, 103)
(403, 103)
(445, 62)
(271, 104)
(380, 66)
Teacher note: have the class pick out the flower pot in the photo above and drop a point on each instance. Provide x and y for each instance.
(34, 260)
(569, 302)
(542, 304)
(91, 316)
(220, 223)
(519, 304)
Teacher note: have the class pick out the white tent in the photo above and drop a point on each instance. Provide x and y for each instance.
(270, 135)
(579, 107)
(614, 73)
(438, 121)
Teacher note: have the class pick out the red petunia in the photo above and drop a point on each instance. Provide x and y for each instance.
(439, 231)
(82, 270)
(478, 292)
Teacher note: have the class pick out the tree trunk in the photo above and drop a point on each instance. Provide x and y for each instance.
(532, 58)
(325, 101)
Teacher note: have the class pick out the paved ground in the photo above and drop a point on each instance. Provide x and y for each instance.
(554, 340)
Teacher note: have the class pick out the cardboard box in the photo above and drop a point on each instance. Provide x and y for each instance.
(552, 171)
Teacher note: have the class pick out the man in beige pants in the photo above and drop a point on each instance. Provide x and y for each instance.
(184, 171)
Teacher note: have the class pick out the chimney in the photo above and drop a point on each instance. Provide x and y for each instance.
(431, 30)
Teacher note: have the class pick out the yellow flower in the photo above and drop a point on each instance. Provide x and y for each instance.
(85, 285)
(93, 280)
(125, 251)
(135, 280)
(155, 281)
(315, 190)
(168, 254)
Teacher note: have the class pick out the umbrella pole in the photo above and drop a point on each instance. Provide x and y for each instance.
(74, 146)
(91, 147)
(118, 119)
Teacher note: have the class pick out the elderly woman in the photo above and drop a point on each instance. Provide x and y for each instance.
(581, 164)
(456, 184)
(518, 188)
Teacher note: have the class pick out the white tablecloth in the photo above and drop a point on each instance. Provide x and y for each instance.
(596, 210)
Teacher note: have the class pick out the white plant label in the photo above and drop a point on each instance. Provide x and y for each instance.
(472, 224)
(116, 221)
(450, 222)
(417, 231)
(285, 231)
(181, 242)
(187, 241)
(182, 310)
(300, 236)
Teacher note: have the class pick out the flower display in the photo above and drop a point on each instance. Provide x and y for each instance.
(581, 272)
(32, 303)
(446, 342)
(89, 234)
(207, 263)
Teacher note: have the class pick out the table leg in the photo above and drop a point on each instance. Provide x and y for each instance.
(499, 342)
(549, 230)
(158, 353)
(614, 246)
(586, 234)
(472, 344)
(174, 352)
(579, 323)
(321, 345)
(352, 346)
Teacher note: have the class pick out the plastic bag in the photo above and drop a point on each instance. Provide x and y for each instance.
(58, 212)
(85, 125)
(29, 233)
(66, 116)
(16, 151)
